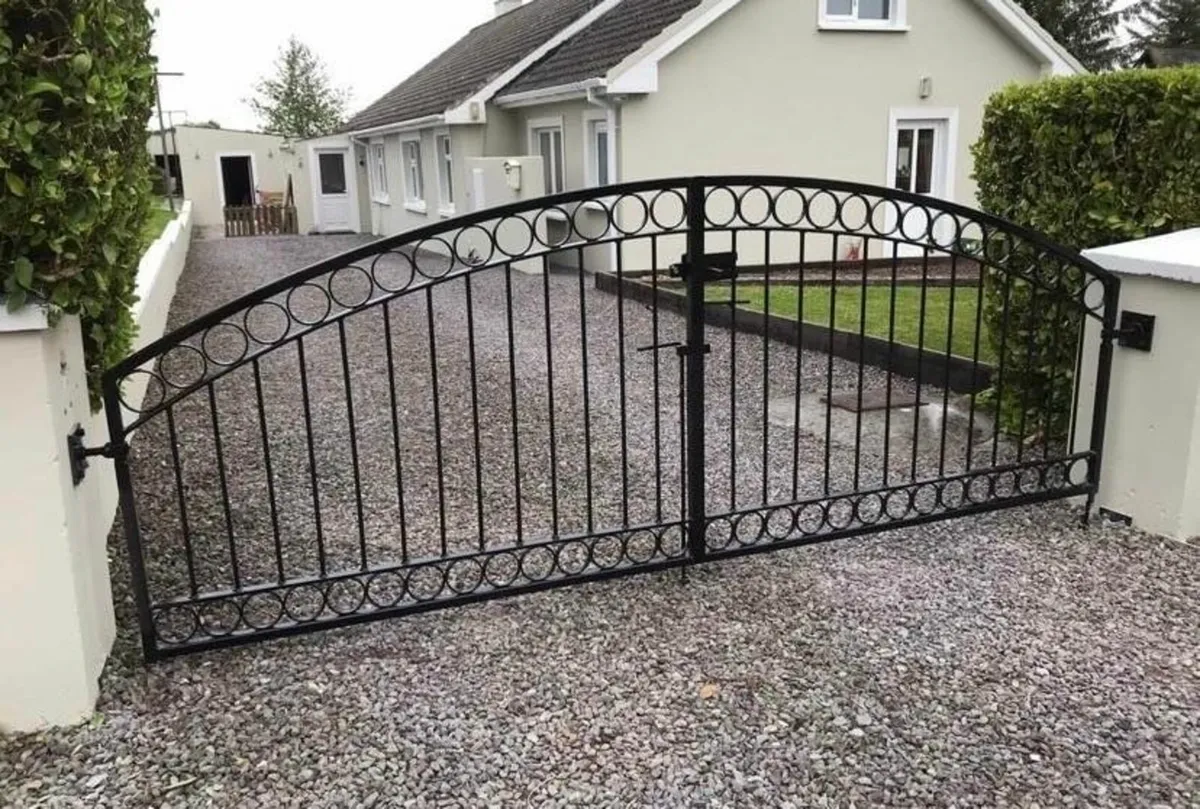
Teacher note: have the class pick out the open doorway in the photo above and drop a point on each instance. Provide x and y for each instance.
(237, 180)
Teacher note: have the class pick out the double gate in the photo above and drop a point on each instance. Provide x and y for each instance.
(459, 413)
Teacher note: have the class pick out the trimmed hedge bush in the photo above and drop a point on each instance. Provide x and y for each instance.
(76, 88)
(1088, 161)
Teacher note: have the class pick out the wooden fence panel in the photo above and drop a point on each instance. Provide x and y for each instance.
(261, 220)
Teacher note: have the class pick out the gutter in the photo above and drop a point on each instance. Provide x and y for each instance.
(547, 95)
(399, 126)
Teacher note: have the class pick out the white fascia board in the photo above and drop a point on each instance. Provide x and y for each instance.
(549, 95)
(1017, 22)
(399, 126)
(462, 113)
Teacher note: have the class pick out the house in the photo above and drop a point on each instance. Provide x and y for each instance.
(888, 92)
(215, 168)
(1156, 56)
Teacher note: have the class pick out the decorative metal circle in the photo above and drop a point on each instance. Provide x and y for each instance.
(153, 395)
(346, 596)
(219, 618)
(385, 590)
(980, 489)
(304, 603)
(670, 542)
(1079, 472)
(426, 583)
(519, 230)
(582, 220)
(182, 366)
(898, 504)
(781, 523)
(788, 201)
(465, 576)
(916, 216)
(228, 345)
(641, 547)
(869, 509)
(262, 610)
(749, 528)
(814, 209)
(972, 237)
(1004, 484)
(660, 218)
(952, 494)
(1093, 295)
(501, 570)
(308, 304)
(754, 206)
(1055, 476)
(710, 217)
(267, 323)
(466, 248)
(350, 287)
(948, 225)
(840, 514)
(854, 213)
(718, 534)
(925, 499)
(573, 558)
(618, 210)
(885, 217)
(537, 564)
(606, 552)
(174, 625)
(543, 222)
(810, 519)
(433, 257)
(1029, 481)
(393, 271)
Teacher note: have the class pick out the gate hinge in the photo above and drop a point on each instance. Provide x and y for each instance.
(1136, 331)
(79, 454)
(713, 267)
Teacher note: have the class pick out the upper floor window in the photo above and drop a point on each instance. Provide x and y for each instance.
(884, 15)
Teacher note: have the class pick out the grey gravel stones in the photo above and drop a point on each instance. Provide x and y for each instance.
(1014, 659)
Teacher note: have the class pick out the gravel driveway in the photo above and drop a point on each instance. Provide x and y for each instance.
(1013, 659)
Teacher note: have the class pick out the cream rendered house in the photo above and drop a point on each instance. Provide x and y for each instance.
(888, 92)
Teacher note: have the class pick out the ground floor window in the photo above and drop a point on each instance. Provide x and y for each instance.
(548, 143)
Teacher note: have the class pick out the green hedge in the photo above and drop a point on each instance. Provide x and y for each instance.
(1088, 161)
(76, 88)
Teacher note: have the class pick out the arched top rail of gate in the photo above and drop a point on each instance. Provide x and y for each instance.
(196, 354)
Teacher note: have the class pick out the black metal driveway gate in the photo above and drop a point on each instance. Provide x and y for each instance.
(457, 413)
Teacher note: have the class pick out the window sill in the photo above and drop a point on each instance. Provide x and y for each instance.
(416, 207)
(446, 211)
(381, 200)
(595, 205)
(556, 214)
(877, 27)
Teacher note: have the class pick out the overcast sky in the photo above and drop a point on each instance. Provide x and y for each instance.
(369, 46)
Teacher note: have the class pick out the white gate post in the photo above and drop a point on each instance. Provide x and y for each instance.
(1151, 466)
(56, 611)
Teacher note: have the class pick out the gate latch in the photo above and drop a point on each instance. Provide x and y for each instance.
(1136, 331)
(713, 267)
(79, 454)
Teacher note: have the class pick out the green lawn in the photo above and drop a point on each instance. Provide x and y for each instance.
(154, 225)
(785, 302)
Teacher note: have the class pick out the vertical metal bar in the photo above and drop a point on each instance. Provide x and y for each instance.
(833, 266)
(658, 488)
(975, 369)
(550, 397)
(391, 361)
(862, 361)
(266, 439)
(799, 372)
(1112, 294)
(1048, 400)
(622, 391)
(766, 365)
(696, 516)
(887, 413)
(1031, 322)
(129, 517)
(949, 354)
(1008, 281)
(437, 419)
(587, 394)
(312, 456)
(358, 498)
(475, 410)
(188, 553)
(512, 392)
(920, 358)
(224, 484)
(733, 380)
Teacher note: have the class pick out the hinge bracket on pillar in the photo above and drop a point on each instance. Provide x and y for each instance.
(79, 454)
(712, 267)
(1136, 331)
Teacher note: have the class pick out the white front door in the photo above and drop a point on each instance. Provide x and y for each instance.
(335, 210)
(920, 164)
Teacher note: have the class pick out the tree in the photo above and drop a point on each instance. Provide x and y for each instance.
(1168, 23)
(1087, 28)
(299, 101)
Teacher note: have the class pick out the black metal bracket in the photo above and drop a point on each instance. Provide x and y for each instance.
(79, 454)
(1136, 331)
(713, 267)
(1116, 517)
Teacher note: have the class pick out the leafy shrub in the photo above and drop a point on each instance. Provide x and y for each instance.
(76, 88)
(1088, 161)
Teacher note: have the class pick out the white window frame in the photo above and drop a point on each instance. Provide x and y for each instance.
(593, 123)
(948, 118)
(445, 171)
(377, 172)
(535, 127)
(414, 197)
(852, 22)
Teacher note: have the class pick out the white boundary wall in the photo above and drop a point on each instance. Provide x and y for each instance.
(56, 608)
